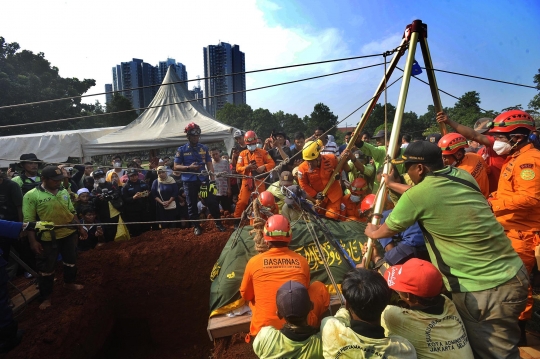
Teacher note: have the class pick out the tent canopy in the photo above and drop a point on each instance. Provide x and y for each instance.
(49, 146)
(163, 126)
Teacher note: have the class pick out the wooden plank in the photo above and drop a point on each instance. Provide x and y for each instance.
(223, 326)
(30, 293)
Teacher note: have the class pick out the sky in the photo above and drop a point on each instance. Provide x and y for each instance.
(497, 39)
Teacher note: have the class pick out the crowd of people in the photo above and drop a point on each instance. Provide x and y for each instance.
(458, 235)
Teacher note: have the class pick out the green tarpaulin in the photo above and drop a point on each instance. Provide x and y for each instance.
(229, 269)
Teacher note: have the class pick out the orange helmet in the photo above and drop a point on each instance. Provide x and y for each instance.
(367, 203)
(277, 228)
(511, 120)
(267, 199)
(451, 143)
(359, 186)
(250, 138)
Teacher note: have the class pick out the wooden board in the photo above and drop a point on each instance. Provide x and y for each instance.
(30, 293)
(223, 326)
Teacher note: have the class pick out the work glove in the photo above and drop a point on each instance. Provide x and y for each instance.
(319, 196)
(212, 188)
(40, 226)
(203, 191)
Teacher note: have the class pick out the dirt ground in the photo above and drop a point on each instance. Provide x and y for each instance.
(144, 298)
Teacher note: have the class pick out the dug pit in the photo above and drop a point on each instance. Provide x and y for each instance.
(144, 298)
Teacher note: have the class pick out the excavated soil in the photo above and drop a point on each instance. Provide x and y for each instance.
(144, 298)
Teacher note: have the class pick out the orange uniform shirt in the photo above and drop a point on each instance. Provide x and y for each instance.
(314, 181)
(352, 209)
(260, 156)
(264, 274)
(516, 203)
(478, 168)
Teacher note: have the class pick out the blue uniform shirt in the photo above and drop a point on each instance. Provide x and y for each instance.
(412, 236)
(187, 154)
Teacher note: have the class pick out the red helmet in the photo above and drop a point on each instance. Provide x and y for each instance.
(277, 228)
(359, 186)
(250, 138)
(511, 120)
(267, 199)
(367, 203)
(451, 143)
(192, 129)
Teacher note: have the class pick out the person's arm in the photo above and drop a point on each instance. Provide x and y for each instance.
(281, 152)
(305, 185)
(467, 132)
(526, 195)
(242, 164)
(82, 233)
(210, 168)
(269, 163)
(377, 153)
(379, 231)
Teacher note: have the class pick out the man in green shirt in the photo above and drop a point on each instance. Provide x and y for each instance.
(296, 340)
(466, 243)
(50, 203)
(29, 178)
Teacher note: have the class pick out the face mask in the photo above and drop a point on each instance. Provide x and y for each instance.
(501, 148)
(117, 164)
(251, 147)
(357, 156)
(259, 145)
(101, 180)
(355, 198)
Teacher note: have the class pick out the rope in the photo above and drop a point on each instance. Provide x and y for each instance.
(186, 81)
(482, 78)
(147, 222)
(385, 107)
(187, 101)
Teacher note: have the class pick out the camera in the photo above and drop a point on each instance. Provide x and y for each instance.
(69, 170)
(105, 193)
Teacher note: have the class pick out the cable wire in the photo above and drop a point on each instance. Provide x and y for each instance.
(198, 79)
(482, 78)
(187, 101)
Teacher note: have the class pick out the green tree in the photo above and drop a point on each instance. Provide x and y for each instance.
(376, 119)
(263, 123)
(534, 104)
(289, 123)
(467, 109)
(118, 103)
(238, 116)
(28, 77)
(321, 117)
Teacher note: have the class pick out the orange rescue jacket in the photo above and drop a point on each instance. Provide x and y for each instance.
(314, 181)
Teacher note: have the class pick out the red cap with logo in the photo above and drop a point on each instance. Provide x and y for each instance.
(417, 277)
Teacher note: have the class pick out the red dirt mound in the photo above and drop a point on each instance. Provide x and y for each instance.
(143, 298)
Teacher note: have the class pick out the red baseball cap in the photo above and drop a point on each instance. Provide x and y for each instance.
(416, 276)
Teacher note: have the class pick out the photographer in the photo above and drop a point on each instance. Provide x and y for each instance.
(135, 195)
(104, 197)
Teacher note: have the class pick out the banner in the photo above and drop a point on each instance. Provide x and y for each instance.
(229, 269)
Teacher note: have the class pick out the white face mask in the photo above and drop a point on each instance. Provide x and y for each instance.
(501, 148)
(355, 198)
(101, 180)
(251, 147)
(117, 164)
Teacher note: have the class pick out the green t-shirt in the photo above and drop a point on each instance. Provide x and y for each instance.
(342, 342)
(378, 153)
(464, 240)
(270, 343)
(434, 336)
(275, 189)
(43, 205)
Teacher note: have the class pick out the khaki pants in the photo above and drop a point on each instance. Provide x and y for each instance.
(491, 317)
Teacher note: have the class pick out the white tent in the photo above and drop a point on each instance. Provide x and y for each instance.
(163, 126)
(49, 146)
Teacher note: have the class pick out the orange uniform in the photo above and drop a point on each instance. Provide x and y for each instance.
(313, 182)
(516, 204)
(265, 274)
(352, 209)
(478, 168)
(262, 158)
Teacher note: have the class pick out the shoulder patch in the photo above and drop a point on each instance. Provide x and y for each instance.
(526, 165)
(177, 154)
(527, 174)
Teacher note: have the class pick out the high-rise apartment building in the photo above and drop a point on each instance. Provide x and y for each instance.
(180, 69)
(108, 93)
(128, 77)
(198, 94)
(219, 60)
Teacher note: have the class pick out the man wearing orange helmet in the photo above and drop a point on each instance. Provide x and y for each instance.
(491, 152)
(251, 162)
(313, 175)
(266, 272)
(453, 147)
(516, 203)
(350, 203)
(191, 159)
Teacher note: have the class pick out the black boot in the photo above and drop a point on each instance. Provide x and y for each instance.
(523, 338)
(11, 337)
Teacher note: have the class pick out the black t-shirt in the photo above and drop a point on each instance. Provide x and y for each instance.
(92, 240)
(10, 198)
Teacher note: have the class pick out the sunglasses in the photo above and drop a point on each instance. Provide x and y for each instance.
(194, 132)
